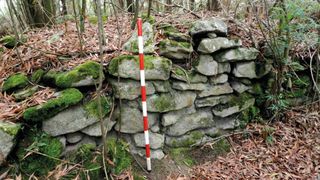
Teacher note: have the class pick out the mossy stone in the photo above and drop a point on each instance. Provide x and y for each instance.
(87, 69)
(10, 128)
(182, 155)
(92, 106)
(16, 81)
(37, 76)
(33, 163)
(127, 66)
(165, 43)
(151, 19)
(118, 151)
(10, 41)
(42, 112)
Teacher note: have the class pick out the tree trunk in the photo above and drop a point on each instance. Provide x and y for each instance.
(136, 13)
(149, 7)
(38, 13)
(82, 15)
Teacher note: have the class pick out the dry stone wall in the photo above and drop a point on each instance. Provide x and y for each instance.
(188, 104)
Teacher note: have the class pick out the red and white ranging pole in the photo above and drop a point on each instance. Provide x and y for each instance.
(143, 94)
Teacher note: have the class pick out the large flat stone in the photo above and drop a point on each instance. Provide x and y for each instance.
(173, 116)
(156, 140)
(215, 90)
(175, 50)
(130, 89)
(200, 119)
(212, 25)
(127, 66)
(209, 46)
(131, 119)
(212, 101)
(191, 86)
(68, 121)
(173, 100)
(238, 54)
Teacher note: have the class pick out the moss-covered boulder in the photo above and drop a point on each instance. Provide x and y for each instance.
(52, 107)
(127, 66)
(8, 133)
(14, 82)
(38, 153)
(9, 41)
(173, 33)
(77, 118)
(175, 50)
(86, 74)
(37, 76)
(148, 42)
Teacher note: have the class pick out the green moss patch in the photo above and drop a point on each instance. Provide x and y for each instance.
(10, 41)
(165, 43)
(42, 112)
(182, 156)
(88, 69)
(92, 106)
(164, 102)
(94, 19)
(90, 162)
(10, 128)
(16, 81)
(150, 19)
(37, 76)
(118, 152)
(38, 153)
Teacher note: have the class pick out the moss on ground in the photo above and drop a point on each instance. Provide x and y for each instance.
(16, 81)
(92, 106)
(10, 128)
(38, 153)
(89, 68)
(37, 76)
(118, 151)
(42, 112)
(193, 138)
(222, 146)
(90, 161)
(182, 156)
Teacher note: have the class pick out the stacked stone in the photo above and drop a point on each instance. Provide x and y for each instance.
(185, 107)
